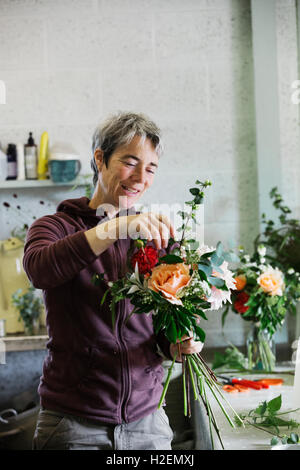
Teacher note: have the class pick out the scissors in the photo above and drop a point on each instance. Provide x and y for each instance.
(234, 385)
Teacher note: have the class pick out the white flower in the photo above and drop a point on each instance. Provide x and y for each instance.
(133, 289)
(217, 298)
(262, 260)
(247, 258)
(261, 250)
(227, 276)
(206, 288)
(262, 267)
(201, 250)
(291, 271)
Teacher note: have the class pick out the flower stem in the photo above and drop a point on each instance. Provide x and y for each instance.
(167, 382)
(184, 387)
(192, 377)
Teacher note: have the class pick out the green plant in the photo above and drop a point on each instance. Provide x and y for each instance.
(266, 418)
(28, 305)
(85, 180)
(232, 359)
(283, 241)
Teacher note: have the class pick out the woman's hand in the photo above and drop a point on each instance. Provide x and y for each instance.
(187, 346)
(149, 226)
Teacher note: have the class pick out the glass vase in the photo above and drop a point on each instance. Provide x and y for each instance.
(261, 349)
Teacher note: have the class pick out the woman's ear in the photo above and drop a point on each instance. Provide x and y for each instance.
(99, 159)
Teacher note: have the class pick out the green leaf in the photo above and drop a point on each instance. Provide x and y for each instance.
(275, 404)
(171, 259)
(219, 249)
(274, 441)
(207, 255)
(198, 199)
(200, 334)
(216, 281)
(172, 331)
(195, 191)
(294, 438)
(216, 260)
(104, 296)
(205, 268)
(231, 257)
(260, 410)
(97, 278)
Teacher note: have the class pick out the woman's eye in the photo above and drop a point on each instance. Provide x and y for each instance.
(129, 164)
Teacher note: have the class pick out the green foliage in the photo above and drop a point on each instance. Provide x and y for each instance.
(198, 194)
(283, 240)
(28, 305)
(267, 418)
(85, 180)
(232, 359)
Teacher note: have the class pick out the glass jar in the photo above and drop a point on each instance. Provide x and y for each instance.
(261, 349)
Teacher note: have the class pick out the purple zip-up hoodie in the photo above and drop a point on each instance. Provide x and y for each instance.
(90, 371)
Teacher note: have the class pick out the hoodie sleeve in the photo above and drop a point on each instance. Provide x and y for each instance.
(51, 257)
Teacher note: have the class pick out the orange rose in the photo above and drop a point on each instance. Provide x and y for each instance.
(240, 282)
(271, 281)
(169, 279)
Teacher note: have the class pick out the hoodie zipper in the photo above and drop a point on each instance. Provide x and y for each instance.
(124, 359)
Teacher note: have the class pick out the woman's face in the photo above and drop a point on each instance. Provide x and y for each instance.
(130, 172)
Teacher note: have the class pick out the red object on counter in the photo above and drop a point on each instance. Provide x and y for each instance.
(249, 383)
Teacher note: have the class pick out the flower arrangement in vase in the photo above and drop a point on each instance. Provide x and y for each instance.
(262, 296)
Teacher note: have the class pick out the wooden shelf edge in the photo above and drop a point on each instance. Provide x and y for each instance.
(25, 343)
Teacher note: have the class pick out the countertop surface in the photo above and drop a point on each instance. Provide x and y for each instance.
(251, 438)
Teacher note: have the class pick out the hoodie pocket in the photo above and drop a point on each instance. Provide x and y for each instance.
(63, 370)
(145, 366)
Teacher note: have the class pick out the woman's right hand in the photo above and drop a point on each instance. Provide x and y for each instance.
(149, 226)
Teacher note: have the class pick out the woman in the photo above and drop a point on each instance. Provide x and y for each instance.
(100, 388)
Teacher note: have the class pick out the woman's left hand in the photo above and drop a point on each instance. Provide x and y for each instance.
(185, 345)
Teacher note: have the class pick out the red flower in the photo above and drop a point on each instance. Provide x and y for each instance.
(240, 301)
(146, 258)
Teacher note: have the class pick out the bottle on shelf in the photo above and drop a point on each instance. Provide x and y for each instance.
(43, 173)
(3, 165)
(20, 162)
(11, 162)
(30, 154)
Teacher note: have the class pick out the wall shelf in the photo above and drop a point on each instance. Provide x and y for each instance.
(25, 343)
(15, 184)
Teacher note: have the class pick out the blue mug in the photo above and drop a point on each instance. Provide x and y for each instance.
(63, 171)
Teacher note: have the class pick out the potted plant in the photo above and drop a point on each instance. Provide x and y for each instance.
(29, 306)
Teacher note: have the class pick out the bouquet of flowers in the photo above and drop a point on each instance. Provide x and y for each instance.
(177, 289)
(262, 296)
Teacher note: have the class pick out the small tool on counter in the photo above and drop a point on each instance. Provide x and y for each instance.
(235, 385)
(237, 381)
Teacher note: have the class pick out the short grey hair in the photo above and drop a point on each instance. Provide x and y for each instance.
(119, 129)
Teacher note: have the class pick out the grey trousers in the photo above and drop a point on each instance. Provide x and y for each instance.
(56, 431)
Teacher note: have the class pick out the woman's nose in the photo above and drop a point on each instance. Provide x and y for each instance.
(139, 175)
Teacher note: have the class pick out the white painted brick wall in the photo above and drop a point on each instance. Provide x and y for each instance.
(187, 64)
